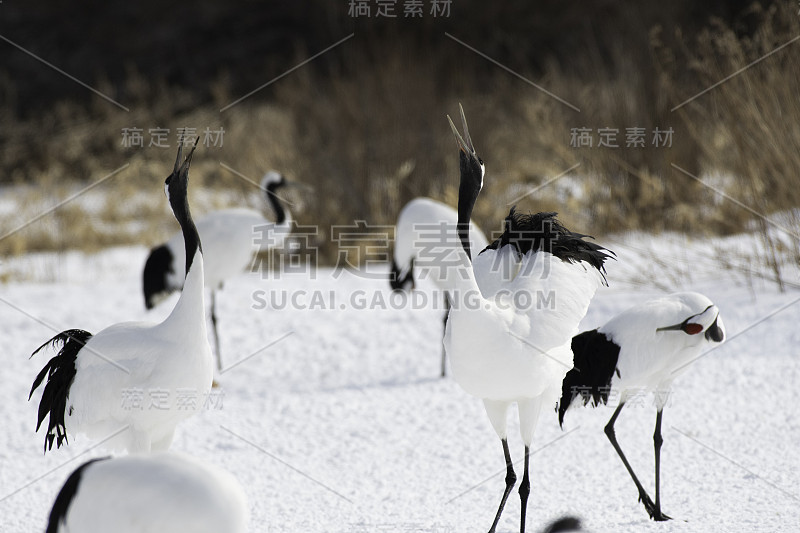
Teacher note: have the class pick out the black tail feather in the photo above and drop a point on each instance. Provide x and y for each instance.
(60, 372)
(543, 231)
(594, 363)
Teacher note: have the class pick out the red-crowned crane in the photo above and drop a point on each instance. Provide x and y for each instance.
(641, 350)
(231, 237)
(86, 383)
(505, 346)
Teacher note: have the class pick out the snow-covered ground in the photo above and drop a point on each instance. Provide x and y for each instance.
(343, 425)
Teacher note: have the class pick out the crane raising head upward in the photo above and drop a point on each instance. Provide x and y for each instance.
(231, 238)
(504, 346)
(641, 350)
(423, 211)
(472, 169)
(87, 382)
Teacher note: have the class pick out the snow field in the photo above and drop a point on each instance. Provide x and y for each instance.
(344, 426)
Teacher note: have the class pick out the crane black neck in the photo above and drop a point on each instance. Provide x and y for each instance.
(468, 190)
(275, 203)
(466, 201)
(180, 208)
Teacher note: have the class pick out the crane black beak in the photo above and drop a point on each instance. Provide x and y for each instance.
(180, 172)
(183, 168)
(178, 159)
(465, 142)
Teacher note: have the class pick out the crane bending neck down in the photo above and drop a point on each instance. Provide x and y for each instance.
(270, 184)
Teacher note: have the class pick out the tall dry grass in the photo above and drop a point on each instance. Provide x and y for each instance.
(369, 133)
(747, 128)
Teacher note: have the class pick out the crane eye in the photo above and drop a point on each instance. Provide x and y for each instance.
(692, 329)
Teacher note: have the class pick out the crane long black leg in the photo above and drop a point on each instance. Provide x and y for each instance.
(444, 353)
(511, 478)
(214, 327)
(657, 441)
(609, 429)
(524, 491)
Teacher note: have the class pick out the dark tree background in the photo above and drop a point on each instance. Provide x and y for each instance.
(191, 44)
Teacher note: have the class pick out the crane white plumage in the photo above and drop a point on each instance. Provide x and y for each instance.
(504, 346)
(641, 350)
(231, 237)
(156, 493)
(86, 383)
(426, 245)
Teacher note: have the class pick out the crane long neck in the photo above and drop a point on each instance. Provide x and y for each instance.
(281, 215)
(466, 201)
(191, 238)
(464, 280)
(191, 304)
